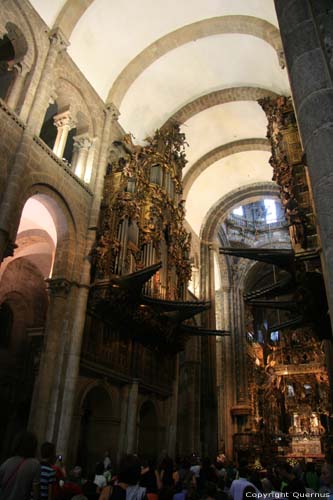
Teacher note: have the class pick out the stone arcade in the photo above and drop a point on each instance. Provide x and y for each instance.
(166, 249)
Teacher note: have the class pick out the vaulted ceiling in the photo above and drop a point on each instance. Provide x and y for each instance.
(202, 62)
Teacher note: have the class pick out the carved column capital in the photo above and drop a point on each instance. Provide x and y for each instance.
(63, 120)
(58, 286)
(83, 141)
(113, 111)
(22, 68)
(58, 39)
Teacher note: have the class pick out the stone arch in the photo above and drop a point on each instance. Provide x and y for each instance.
(14, 71)
(214, 26)
(18, 41)
(235, 197)
(210, 234)
(64, 221)
(68, 95)
(96, 415)
(218, 154)
(15, 17)
(70, 14)
(69, 126)
(86, 388)
(216, 98)
(18, 29)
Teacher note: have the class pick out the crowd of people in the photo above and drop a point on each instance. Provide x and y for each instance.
(23, 477)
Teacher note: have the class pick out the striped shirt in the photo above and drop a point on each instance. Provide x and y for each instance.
(47, 476)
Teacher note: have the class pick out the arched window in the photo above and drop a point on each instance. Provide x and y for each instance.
(6, 325)
(7, 70)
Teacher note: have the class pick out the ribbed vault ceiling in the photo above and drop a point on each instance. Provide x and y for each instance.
(203, 63)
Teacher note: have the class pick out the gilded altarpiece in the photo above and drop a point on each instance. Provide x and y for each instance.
(287, 373)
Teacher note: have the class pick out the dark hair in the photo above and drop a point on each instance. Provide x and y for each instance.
(284, 466)
(129, 470)
(166, 493)
(248, 489)
(99, 469)
(47, 450)
(210, 489)
(25, 444)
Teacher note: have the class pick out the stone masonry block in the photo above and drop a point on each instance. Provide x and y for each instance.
(308, 75)
(315, 113)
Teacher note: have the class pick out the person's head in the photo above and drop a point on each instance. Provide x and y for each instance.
(47, 452)
(25, 444)
(266, 485)
(166, 494)
(76, 473)
(326, 476)
(186, 463)
(129, 470)
(107, 454)
(248, 492)
(285, 471)
(243, 468)
(99, 470)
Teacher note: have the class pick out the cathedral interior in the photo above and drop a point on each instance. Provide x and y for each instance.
(166, 237)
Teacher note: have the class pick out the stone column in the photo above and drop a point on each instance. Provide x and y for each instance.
(307, 32)
(22, 70)
(75, 338)
(82, 145)
(208, 354)
(58, 43)
(42, 413)
(64, 123)
(172, 428)
(132, 414)
(122, 440)
(227, 378)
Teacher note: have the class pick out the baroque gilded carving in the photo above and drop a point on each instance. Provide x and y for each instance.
(142, 214)
(289, 172)
(289, 392)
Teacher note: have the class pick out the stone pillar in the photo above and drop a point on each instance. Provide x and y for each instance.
(122, 440)
(132, 415)
(9, 216)
(75, 338)
(42, 413)
(172, 427)
(82, 145)
(22, 70)
(58, 43)
(307, 32)
(208, 355)
(227, 378)
(64, 123)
